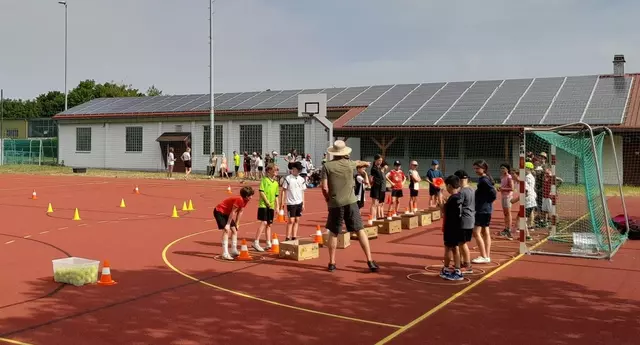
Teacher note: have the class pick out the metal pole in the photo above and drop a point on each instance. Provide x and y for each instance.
(212, 131)
(618, 170)
(1, 114)
(64, 3)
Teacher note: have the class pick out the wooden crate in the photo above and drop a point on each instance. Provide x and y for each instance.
(409, 221)
(388, 226)
(435, 213)
(371, 231)
(299, 250)
(344, 240)
(424, 218)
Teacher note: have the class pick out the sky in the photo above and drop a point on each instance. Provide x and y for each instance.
(294, 44)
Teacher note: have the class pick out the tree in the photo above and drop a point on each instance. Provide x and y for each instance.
(153, 91)
(50, 103)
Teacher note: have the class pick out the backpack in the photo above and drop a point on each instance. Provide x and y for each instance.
(634, 226)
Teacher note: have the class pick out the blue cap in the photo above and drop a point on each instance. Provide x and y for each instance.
(435, 162)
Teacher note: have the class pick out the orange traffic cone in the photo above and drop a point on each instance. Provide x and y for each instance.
(229, 190)
(105, 278)
(136, 190)
(275, 244)
(34, 195)
(244, 252)
(281, 218)
(318, 237)
(370, 222)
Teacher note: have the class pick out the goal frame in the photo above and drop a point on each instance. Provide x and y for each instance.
(522, 220)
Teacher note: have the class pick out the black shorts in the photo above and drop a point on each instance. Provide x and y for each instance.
(236, 169)
(413, 192)
(303, 175)
(453, 238)
(187, 164)
(434, 190)
(260, 168)
(483, 219)
(294, 210)
(396, 193)
(350, 214)
(468, 235)
(377, 193)
(265, 215)
(222, 219)
(528, 211)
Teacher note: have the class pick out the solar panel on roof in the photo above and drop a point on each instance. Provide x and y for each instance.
(292, 102)
(572, 99)
(345, 96)
(535, 102)
(125, 103)
(502, 102)
(189, 103)
(157, 103)
(237, 100)
(609, 100)
(369, 96)
(275, 100)
(176, 103)
(332, 92)
(438, 105)
(376, 111)
(469, 104)
(253, 101)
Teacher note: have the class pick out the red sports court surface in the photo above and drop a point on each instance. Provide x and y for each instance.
(172, 290)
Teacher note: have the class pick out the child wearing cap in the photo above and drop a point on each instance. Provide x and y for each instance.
(397, 179)
(467, 219)
(414, 186)
(452, 233)
(435, 193)
(293, 186)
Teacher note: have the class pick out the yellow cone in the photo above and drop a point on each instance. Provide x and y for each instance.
(49, 209)
(190, 206)
(122, 204)
(175, 213)
(184, 206)
(76, 215)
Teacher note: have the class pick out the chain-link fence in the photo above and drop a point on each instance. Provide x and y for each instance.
(29, 151)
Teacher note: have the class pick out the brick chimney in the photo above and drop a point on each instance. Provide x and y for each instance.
(618, 65)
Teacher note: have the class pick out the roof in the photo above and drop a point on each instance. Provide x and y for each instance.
(595, 99)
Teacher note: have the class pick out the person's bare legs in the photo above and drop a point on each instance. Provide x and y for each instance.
(333, 243)
(290, 227)
(456, 258)
(374, 209)
(486, 234)
(477, 234)
(466, 253)
(259, 231)
(268, 235)
(296, 225)
(364, 244)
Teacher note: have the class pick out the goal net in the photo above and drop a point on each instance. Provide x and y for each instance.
(29, 151)
(578, 189)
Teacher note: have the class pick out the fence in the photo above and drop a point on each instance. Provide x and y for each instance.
(29, 151)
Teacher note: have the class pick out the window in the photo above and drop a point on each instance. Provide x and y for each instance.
(83, 139)
(251, 138)
(178, 128)
(133, 139)
(206, 137)
(292, 137)
(12, 133)
(42, 128)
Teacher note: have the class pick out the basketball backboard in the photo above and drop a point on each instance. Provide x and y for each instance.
(312, 105)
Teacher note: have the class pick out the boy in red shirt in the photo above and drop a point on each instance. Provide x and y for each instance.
(397, 179)
(224, 214)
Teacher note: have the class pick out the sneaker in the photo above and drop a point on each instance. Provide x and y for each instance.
(226, 256)
(466, 269)
(529, 238)
(444, 273)
(373, 266)
(234, 252)
(267, 248)
(454, 275)
(331, 267)
(506, 233)
(287, 239)
(256, 246)
(481, 260)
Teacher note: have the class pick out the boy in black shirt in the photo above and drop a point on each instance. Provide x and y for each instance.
(452, 229)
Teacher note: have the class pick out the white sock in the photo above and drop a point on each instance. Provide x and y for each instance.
(268, 243)
(234, 242)
(225, 246)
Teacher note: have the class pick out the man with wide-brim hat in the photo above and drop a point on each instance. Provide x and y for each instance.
(338, 185)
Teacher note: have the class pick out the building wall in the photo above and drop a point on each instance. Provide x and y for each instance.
(108, 148)
(14, 128)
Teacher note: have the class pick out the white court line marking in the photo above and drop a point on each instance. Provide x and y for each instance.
(43, 232)
(142, 216)
(115, 221)
(159, 214)
(82, 224)
(209, 220)
(66, 227)
(27, 236)
(9, 242)
(123, 218)
(103, 221)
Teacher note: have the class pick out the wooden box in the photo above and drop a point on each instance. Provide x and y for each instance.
(409, 221)
(388, 226)
(424, 218)
(371, 231)
(344, 240)
(435, 213)
(299, 250)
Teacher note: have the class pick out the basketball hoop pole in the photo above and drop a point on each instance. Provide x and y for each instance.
(212, 131)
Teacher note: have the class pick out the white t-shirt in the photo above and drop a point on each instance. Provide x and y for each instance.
(260, 162)
(171, 160)
(186, 156)
(305, 167)
(530, 188)
(294, 187)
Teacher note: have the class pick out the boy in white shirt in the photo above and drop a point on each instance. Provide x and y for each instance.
(294, 186)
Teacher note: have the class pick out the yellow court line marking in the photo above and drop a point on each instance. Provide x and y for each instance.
(241, 294)
(453, 297)
(16, 342)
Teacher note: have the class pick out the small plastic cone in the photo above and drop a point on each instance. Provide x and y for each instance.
(34, 195)
(49, 209)
(190, 206)
(174, 214)
(105, 278)
(281, 218)
(229, 190)
(184, 206)
(318, 237)
(136, 190)
(275, 244)
(244, 252)
(76, 215)
(122, 204)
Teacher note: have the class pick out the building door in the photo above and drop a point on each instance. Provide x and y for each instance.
(631, 160)
(179, 141)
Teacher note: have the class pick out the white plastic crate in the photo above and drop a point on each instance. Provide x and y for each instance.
(75, 271)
